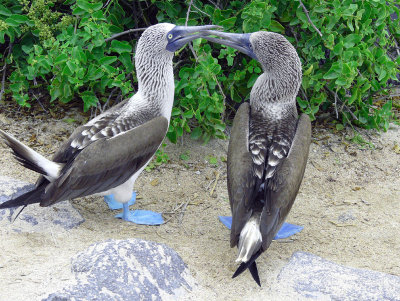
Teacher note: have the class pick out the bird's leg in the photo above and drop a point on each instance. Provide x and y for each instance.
(141, 217)
(126, 214)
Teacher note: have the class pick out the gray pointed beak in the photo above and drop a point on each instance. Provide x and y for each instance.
(239, 41)
(179, 36)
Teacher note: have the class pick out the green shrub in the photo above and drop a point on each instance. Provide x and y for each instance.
(60, 47)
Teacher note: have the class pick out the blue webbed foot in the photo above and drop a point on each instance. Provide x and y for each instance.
(285, 231)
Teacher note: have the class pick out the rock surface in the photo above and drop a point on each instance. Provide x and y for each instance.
(131, 269)
(35, 218)
(311, 277)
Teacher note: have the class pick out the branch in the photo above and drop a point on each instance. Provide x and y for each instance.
(377, 91)
(309, 20)
(4, 71)
(204, 13)
(337, 99)
(304, 94)
(3, 80)
(215, 4)
(188, 12)
(123, 33)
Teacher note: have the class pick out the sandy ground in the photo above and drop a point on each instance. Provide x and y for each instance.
(349, 205)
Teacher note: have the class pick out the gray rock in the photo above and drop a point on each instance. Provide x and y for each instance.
(314, 278)
(35, 218)
(132, 269)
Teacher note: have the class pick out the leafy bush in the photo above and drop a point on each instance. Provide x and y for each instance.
(61, 48)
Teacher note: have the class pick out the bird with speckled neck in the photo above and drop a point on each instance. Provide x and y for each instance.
(268, 147)
(106, 155)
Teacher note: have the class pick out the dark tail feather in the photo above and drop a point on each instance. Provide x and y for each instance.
(31, 197)
(249, 265)
(254, 272)
(19, 213)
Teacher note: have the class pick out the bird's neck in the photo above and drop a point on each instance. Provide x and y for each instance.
(273, 87)
(274, 96)
(156, 84)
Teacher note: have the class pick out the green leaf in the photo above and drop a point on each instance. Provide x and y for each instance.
(308, 71)
(339, 127)
(14, 20)
(212, 160)
(331, 74)
(228, 23)
(5, 11)
(63, 57)
(126, 60)
(341, 81)
(188, 114)
(120, 47)
(252, 80)
(352, 39)
(89, 100)
(175, 112)
(89, 7)
(171, 135)
(276, 27)
(94, 73)
(196, 133)
(79, 54)
(107, 60)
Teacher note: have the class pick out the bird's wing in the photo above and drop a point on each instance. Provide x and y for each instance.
(240, 171)
(83, 134)
(107, 162)
(103, 126)
(282, 188)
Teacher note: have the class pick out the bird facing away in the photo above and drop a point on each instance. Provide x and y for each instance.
(268, 147)
(106, 155)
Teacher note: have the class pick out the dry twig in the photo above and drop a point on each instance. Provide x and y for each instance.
(337, 99)
(215, 183)
(188, 12)
(123, 33)
(4, 72)
(309, 20)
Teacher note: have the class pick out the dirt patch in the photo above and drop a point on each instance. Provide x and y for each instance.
(349, 205)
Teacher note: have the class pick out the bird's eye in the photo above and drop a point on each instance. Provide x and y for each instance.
(170, 36)
(250, 46)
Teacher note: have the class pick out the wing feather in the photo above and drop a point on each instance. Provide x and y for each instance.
(282, 188)
(240, 170)
(107, 162)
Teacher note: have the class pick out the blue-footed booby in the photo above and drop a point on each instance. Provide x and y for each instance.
(106, 155)
(268, 147)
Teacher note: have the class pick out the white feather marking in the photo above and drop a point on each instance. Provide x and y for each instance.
(104, 132)
(270, 173)
(85, 133)
(273, 162)
(277, 153)
(250, 239)
(51, 168)
(282, 142)
(258, 160)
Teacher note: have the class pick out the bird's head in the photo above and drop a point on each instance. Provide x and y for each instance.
(273, 51)
(163, 39)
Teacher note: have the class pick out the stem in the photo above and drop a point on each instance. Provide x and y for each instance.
(123, 33)
(309, 20)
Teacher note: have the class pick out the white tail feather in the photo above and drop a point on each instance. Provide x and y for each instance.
(31, 159)
(250, 239)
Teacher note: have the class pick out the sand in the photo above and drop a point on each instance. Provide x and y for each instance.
(349, 205)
